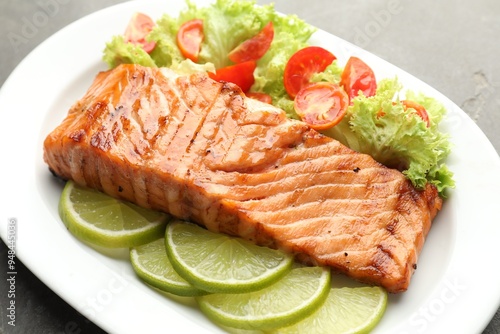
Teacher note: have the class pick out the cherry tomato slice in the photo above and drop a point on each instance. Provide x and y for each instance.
(137, 29)
(419, 110)
(240, 74)
(189, 38)
(302, 65)
(358, 76)
(263, 97)
(321, 105)
(255, 47)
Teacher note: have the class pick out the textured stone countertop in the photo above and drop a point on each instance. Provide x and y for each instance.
(453, 46)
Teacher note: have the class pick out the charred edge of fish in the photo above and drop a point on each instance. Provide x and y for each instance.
(357, 169)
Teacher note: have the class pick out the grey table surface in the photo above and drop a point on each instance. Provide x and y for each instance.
(453, 45)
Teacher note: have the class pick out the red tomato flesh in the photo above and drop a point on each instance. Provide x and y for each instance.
(263, 97)
(419, 110)
(189, 38)
(321, 105)
(255, 47)
(137, 29)
(358, 76)
(240, 74)
(302, 65)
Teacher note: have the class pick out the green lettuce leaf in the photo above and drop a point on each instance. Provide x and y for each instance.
(187, 67)
(118, 52)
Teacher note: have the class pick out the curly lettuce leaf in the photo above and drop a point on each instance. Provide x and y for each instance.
(187, 67)
(118, 52)
(381, 127)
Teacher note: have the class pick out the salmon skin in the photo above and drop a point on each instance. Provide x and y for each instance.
(201, 151)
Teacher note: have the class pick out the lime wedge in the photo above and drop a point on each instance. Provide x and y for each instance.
(102, 220)
(346, 310)
(216, 262)
(151, 264)
(291, 299)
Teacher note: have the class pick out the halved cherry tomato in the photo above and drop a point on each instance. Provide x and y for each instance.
(240, 74)
(322, 105)
(419, 110)
(358, 76)
(263, 97)
(255, 47)
(189, 38)
(302, 65)
(137, 29)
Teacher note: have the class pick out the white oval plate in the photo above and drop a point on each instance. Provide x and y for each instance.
(455, 289)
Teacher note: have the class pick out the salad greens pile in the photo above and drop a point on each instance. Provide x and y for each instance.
(377, 125)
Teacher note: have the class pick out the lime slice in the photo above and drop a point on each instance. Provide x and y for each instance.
(102, 220)
(151, 264)
(216, 262)
(346, 310)
(292, 298)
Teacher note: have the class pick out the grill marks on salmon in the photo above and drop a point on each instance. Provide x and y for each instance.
(202, 151)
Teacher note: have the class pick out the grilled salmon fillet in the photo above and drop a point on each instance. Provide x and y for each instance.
(201, 151)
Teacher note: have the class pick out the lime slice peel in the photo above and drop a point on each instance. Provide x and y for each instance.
(101, 220)
(222, 264)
